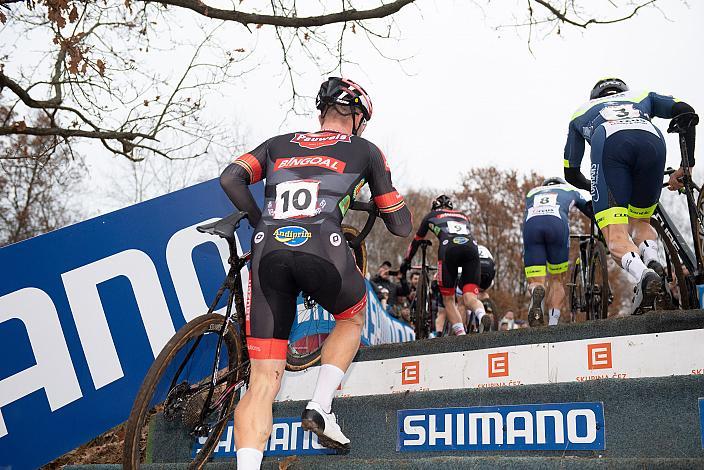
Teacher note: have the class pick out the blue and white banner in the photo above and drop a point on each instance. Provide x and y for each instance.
(553, 426)
(379, 327)
(85, 309)
(287, 438)
(701, 419)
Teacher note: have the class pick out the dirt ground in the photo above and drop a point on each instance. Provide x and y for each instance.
(106, 448)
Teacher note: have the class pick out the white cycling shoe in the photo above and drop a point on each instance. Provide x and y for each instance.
(645, 291)
(325, 426)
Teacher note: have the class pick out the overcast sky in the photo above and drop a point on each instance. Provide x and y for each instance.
(471, 95)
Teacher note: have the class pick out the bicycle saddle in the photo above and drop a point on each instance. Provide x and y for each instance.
(225, 227)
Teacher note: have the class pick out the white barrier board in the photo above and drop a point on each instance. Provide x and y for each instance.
(647, 355)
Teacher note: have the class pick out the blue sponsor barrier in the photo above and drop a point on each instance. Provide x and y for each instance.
(701, 420)
(554, 426)
(287, 438)
(85, 309)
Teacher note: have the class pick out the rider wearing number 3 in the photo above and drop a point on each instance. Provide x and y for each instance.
(456, 249)
(311, 180)
(627, 163)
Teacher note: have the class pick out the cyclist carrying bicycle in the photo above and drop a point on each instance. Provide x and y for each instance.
(298, 246)
(457, 249)
(546, 242)
(627, 163)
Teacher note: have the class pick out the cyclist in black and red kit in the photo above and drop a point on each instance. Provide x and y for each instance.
(457, 249)
(298, 246)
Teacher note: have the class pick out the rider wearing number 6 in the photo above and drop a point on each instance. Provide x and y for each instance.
(311, 180)
(457, 249)
(627, 163)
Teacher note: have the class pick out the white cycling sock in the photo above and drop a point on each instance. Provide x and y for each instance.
(554, 317)
(479, 313)
(633, 265)
(458, 329)
(648, 251)
(249, 459)
(329, 378)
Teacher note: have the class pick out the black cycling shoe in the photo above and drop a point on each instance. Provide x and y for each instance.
(485, 324)
(657, 267)
(535, 310)
(645, 291)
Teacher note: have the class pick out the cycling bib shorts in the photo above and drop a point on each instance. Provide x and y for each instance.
(546, 242)
(451, 257)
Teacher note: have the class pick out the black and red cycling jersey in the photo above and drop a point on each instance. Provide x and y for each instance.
(457, 249)
(311, 180)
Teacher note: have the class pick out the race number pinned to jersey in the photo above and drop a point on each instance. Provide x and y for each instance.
(619, 111)
(457, 228)
(296, 199)
(547, 199)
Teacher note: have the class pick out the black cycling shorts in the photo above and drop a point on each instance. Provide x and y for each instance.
(451, 257)
(488, 271)
(288, 260)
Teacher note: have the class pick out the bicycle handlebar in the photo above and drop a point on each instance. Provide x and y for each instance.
(370, 208)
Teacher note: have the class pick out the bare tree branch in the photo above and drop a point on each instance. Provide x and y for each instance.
(288, 21)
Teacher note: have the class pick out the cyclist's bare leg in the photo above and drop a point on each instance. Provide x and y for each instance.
(555, 297)
(477, 306)
(440, 320)
(535, 281)
(621, 245)
(342, 344)
(253, 416)
(453, 315)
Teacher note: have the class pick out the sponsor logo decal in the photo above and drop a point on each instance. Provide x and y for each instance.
(594, 174)
(319, 139)
(498, 365)
(460, 240)
(445, 242)
(410, 373)
(358, 188)
(335, 239)
(599, 356)
(287, 438)
(344, 204)
(292, 235)
(554, 426)
(258, 237)
(328, 163)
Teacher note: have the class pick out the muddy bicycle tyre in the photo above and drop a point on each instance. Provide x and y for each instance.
(135, 445)
(674, 271)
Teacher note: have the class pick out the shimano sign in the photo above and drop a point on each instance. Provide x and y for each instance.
(555, 426)
(287, 438)
(85, 309)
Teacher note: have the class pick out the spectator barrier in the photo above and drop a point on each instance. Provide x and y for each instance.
(85, 309)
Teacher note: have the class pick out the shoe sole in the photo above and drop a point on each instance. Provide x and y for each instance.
(651, 291)
(485, 325)
(535, 314)
(310, 425)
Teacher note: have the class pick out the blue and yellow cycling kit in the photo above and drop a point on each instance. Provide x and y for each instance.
(627, 152)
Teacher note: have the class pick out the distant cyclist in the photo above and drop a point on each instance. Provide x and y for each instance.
(298, 245)
(546, 244)
(486, 280)
(457, 249)
(627, 163)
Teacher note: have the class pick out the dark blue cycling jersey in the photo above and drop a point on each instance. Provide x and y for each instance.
(628, 110)
(546, 231)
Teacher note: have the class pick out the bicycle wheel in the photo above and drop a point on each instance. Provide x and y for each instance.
(598, 283)
(174, 393)
(676, 283)
(422, 302)
(313, 324)
(576, 289)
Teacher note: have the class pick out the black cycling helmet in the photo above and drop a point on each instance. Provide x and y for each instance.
(442, 201)
(344, 92)
(607, 86)
(554, 180)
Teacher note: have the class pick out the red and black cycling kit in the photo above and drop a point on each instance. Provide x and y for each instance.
(297, 245)
(457, 249)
